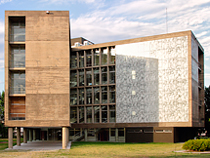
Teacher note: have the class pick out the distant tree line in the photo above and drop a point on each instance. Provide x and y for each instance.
(3, 130)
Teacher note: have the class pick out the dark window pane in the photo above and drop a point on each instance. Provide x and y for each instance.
(104, 114)
(88, 58)
(104, 95)
(96, 114)
(73, 97)
(111, 74)
(73, 115)
(89, 96)
(73, 60)
(96, 76)
(112, 116)
(81, 96)
(73, 78)
(112, 132)
(81, 114)
(104, 75)
(81, 59)
(89, 114)
(88, 77)
(111, 94)
(81, 78)
(121, 132)
(96, 57)
(104, 56)
(111, 56)
(96, 95)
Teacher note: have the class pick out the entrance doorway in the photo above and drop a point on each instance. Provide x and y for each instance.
(103, 135)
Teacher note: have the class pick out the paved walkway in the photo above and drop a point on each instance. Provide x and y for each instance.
(40, 145)
(194, 152)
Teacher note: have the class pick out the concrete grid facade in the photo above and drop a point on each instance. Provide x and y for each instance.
(150, 88)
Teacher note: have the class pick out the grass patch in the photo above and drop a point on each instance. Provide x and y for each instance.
(108, 149)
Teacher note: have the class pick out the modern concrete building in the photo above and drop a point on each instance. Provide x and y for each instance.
(148, 89)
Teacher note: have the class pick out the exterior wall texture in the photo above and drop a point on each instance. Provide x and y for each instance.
(46, 67)
(170, 98)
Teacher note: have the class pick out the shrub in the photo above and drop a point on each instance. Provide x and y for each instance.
(197, 145)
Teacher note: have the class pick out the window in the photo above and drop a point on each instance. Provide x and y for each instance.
(112, 116)
(17, 57)
(96, 114)
(96, 57)
(89, 96)
(81, 96)
(121, 132)
(96, 95)
(73, 60)
(88, 58)
(104, 75)
(81, 114)
(17, 83)
(17, 29)
(81, 78)
(104, 95)
(111, 55)
(73, 97)
(73, 78)
(81, 59)
(104, 114)
(104, 56)
(112, 74)
(88, 77)
(96, 76)
(89, 114)
(111, 94)
(73, 115)
(113, 132)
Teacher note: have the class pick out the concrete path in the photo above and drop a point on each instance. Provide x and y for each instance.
(40, 145)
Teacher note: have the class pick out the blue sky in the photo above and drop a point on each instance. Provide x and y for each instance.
(111, 20)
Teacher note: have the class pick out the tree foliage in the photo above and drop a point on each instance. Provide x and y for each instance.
(2, 106)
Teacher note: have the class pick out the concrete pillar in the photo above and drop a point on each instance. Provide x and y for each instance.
(10, 137)
(116, 135)
(85, 134)
(34, 135)
(25, 135)
(30, 135)
(65, 137)
(18, 136)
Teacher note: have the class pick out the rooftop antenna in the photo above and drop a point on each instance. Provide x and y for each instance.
(166, 22)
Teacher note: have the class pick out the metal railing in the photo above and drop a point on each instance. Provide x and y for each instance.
(17, 38)
(17, 90)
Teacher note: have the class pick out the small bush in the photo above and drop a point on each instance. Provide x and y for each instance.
(197, 145)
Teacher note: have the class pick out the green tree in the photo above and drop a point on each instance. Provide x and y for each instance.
(3, 130)
(2, 106)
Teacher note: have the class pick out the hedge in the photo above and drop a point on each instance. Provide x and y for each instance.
(197, 145)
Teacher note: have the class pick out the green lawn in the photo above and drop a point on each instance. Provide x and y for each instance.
(106, 149)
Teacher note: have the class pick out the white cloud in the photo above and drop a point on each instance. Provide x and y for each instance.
(1, 63)
(4, 1)
(67, 1)
(206, 58)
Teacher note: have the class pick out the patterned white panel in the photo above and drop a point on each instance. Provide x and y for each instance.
(170, 101)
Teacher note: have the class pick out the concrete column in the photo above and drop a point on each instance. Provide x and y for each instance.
(25, 135)
(65, 137)
(18, 136)
(10, 137)
(109, 134)
(116, 135)
(30, 135)
(85, 134)
(34, 135)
